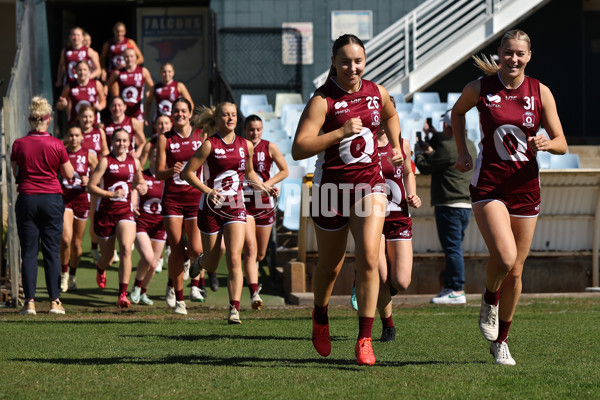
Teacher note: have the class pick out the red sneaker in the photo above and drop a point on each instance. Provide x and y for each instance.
(320, 338)
(123, 302)
(364, 352)
(101, 279)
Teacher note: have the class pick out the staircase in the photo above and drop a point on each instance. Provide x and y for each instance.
(434, 38)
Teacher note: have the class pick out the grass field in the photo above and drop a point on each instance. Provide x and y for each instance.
(439, 353)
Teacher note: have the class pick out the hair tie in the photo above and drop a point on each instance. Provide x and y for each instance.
(39, 119)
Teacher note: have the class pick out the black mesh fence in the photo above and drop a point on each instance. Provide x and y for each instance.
(251, 60)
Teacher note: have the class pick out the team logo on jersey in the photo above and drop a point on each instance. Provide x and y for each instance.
(528, 119)
(375, 118)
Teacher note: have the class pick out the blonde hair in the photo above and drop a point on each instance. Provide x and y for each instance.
(39, 112)
(205, 118)
(489, 65)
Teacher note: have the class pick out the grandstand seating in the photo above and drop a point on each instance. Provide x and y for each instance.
(257, 109)
(420, 98)
(248, 99)
(564, 161)
(451, 98)
(286, 98)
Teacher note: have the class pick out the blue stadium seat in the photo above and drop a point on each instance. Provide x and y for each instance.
(565, 161)
(286, 98)
(257, 109)
(451, 98)
(420, 98)
(543, 159)
(248, 99)
(290, 188)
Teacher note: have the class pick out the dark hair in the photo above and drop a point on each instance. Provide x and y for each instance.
(338, 44)
(114, 135)
(183, 100)
(116, 98)
(251, 118)
(82, 62)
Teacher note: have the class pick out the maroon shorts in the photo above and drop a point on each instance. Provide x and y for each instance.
(398, 229)
(105, 223)
(152, 226)
(171, 209)
(263, 212)
(330, 207)
(517, 204)
(80, 207)
(211, 222)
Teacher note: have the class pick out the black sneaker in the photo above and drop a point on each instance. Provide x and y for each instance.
(388, 334)
(214, 282)
(203, 291)
(393, 291)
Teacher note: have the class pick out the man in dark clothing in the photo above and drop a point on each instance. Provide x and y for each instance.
(452, 202)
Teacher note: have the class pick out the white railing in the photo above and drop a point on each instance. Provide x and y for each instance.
(426, 33)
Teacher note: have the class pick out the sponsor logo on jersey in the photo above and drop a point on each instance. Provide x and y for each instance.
(340, 104)
(113, 167)
(511, 98)
(174, 146)
(219, 151)
(493, 100)
(528, 119)
(354, 101)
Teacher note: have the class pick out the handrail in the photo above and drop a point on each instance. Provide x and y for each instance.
(420, 35)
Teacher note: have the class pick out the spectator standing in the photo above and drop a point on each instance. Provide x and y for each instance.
(452, 203)
(36, 160)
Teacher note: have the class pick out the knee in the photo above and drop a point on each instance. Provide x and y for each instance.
(401, 283)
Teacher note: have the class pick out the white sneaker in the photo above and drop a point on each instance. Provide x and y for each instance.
(186, 269)
(501, 353)
(170, 297)
(180, 308)
(72, 283)
(159, 265)
(256, 300)
(116, 258)
(449, 296)
(64, 281)
(135, 294)
(234, 316)
(146, 300)
(488, 320)
(196, 294)
(95, 255)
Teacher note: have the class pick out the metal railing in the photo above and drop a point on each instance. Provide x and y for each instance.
(420, 35)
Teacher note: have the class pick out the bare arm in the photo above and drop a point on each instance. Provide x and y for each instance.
(96, 68)
(148, 106)
(184, 93)
(66, 170)
(95, 179)
(104, 56)
(145, 153)
(162, 172)
(112, 84)
(281, 165)
(408, 176)
(138, 137)
(391, 124)
(139, 183)
(105, 149)
(92, 159)
(307, 141)
(101, 103)
(551, 122)
(467, 100)
(189, 172)
(63, 101)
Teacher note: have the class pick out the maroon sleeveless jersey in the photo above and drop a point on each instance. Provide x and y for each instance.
(180, 149)
(507, 118)
(131, 89)
(262, 163)
(110, 126)
(72, 57)
(118, 174)
(164, 96)
(150, 207)
(394, 181)
(92, 140)
(224, 170)
(85, 95)
(72, 188)
(354, 159)
(115, 54)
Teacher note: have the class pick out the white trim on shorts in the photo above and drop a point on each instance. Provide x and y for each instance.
(151, 239)
(511, 215)
(329, 230)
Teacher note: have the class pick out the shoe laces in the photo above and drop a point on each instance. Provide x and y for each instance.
(490, 313)
(503, 351)
(365, 346)
(257, 290)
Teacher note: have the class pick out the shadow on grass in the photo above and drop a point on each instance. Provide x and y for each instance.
(263, 362)
(193, 338)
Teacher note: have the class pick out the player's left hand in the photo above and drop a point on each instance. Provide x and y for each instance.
(396, 158)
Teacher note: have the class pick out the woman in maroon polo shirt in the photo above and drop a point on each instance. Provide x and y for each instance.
(36, 160)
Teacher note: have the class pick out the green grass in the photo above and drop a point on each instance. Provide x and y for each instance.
(439, 353)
